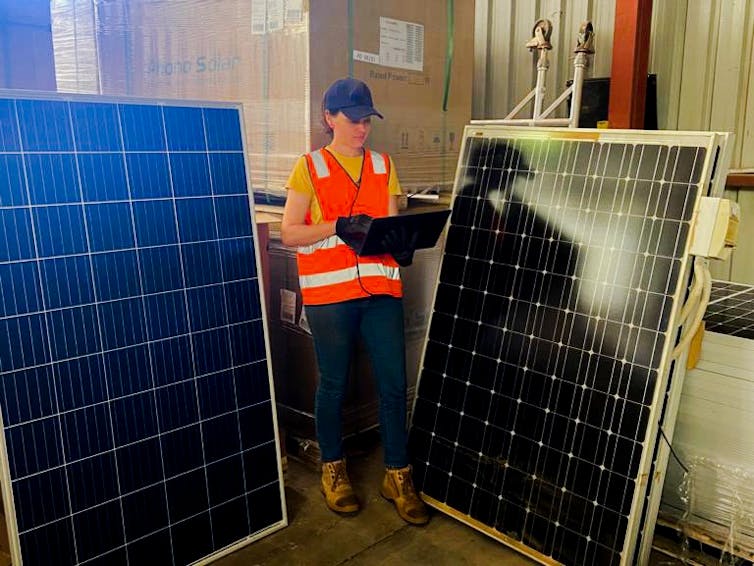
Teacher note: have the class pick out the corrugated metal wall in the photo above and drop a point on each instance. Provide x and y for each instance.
(701, 51)
(506, 70)
(703, 54)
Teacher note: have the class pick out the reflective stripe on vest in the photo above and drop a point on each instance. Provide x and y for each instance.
(378, 163)
(348, 274)
(326, 244)
(320, 166)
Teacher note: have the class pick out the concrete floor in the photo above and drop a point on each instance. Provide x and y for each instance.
(316, 536)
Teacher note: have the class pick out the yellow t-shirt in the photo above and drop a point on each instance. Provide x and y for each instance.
(300, 180)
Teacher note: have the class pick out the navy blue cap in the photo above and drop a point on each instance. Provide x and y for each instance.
(352, 97)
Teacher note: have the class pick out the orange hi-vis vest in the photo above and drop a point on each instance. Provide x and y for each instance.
(329, 270)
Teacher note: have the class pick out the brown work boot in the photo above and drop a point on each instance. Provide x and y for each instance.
(398, 487)
(337, 489)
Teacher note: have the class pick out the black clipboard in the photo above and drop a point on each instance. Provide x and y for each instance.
(426, 225)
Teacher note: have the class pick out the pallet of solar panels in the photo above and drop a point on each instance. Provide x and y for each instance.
(708, 495)
(711, 498)
(710, 501)
(277, 59)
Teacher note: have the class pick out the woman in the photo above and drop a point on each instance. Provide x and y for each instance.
(332, 195)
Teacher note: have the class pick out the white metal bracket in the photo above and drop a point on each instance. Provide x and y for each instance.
(541, 42)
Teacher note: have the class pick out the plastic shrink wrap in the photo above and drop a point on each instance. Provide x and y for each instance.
(714, 437)
(277, 57)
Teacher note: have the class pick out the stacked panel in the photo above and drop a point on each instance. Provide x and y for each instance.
(549, 343)
(731, 309)
(136, 399)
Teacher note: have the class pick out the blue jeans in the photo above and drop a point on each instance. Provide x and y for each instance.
(335, 329)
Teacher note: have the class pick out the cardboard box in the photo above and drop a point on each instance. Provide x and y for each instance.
(411, 41)
(278, 57)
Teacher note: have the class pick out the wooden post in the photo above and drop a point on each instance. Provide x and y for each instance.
(628, 77)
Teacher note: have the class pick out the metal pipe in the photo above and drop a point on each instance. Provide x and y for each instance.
(521, 104)
(550, 109)
(543, 65)
(579, 65)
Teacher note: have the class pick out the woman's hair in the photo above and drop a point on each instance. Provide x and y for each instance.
(325, 125)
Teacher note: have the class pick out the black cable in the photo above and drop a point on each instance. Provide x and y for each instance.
(672, 451)
(358, 276)
(350, 213)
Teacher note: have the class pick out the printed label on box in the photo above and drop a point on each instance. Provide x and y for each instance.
(266, 16)
(288, 306)
(275, 14)
(294, 11)
(258, 17)
(401, 44)
(303, 322)
(365, 57)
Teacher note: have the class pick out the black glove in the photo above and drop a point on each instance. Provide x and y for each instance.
(401, 244)
(353, 229)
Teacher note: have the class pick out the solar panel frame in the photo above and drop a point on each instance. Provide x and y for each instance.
(712, 143)
(62, 142)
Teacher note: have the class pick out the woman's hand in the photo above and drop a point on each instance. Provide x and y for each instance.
(353, 229)
(401, 244)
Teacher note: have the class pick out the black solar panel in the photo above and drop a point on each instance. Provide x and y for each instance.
(136, 401)
(548, 345)
(731, 309)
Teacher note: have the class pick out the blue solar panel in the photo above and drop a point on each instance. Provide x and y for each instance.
(135, 392)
